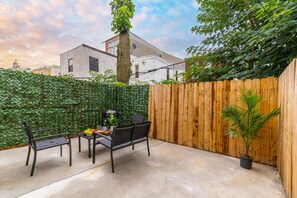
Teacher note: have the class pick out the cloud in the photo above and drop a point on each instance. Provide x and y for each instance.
(36, 32)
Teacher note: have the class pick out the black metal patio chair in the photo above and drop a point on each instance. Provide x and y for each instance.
(120, 137)
(45, 142)
(137, 119)
(141, 133)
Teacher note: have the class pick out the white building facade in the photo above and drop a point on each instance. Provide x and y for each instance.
(154, 68)
(148, 62)
(82, 60)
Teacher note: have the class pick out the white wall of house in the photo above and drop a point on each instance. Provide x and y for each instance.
(146, 63)
(80, 61)
(55, 70)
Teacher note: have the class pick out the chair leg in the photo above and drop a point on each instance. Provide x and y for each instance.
(132, 146)
(79, 144)
(148, 147)
(34, 162)
(61, 151)
(94, 148)
(111, 157)
(70, 153)
(28, 156)
(89, 147)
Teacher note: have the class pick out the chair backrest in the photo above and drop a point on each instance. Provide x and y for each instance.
(121, 135)
(141, 130)
(137, 119)
(28, 132)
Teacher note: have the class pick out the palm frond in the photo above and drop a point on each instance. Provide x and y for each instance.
(246, 121)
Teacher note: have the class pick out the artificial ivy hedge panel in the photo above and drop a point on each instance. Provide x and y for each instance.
(60, 102)
(59, 92)
(131, 100)
(19, 90)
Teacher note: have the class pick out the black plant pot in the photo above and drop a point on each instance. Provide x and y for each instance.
(246, 162)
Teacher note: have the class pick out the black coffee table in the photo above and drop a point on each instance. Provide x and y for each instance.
(89, 138)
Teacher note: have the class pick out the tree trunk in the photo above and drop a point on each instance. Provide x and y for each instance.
(123, 59)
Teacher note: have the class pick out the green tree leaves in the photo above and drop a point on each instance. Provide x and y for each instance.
(122, 11)
(251, 39)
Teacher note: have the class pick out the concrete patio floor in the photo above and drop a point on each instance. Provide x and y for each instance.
(170, 171)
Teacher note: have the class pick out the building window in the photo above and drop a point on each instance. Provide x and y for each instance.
(70, 65)
(168, 74)
(94, 64)
(136, 71)
(112, 47)
(176, 75)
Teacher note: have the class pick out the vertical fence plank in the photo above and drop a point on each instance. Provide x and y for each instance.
(171, 114)
(226, 100)
(207, 115)
(181, 114)
(185, 116)
(214, 113)
(256, 145)
(233, 98)
(159, 109)
(265, 130)
(195, 125)
(201, 116)
(167, 112)
(240, 148)
(273, 84)
(190, 115)
(219, 123)
(176, 113)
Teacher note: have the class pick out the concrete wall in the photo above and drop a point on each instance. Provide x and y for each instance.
(80, 56)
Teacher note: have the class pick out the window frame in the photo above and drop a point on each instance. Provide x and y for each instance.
(168, 74)
(94, 59)
(70, 66)
(136, 71)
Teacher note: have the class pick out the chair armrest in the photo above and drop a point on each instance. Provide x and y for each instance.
(49, 136)
(42, 130)
(104, 136)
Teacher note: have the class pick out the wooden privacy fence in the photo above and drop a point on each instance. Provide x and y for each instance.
(287, 147)
(190, 115)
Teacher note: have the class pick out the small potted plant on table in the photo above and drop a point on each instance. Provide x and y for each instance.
(112, 121)
(246, 122)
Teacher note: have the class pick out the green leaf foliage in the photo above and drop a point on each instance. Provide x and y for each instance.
(107, 77)
(246, 121)
(61, 102)
(122, 11)
(248, 39)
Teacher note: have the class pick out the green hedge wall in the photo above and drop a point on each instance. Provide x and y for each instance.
(59, 102)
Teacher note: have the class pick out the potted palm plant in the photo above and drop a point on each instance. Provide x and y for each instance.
(112, 122)
(246, 121)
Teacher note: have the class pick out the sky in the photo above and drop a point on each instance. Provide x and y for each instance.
(36, 32)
